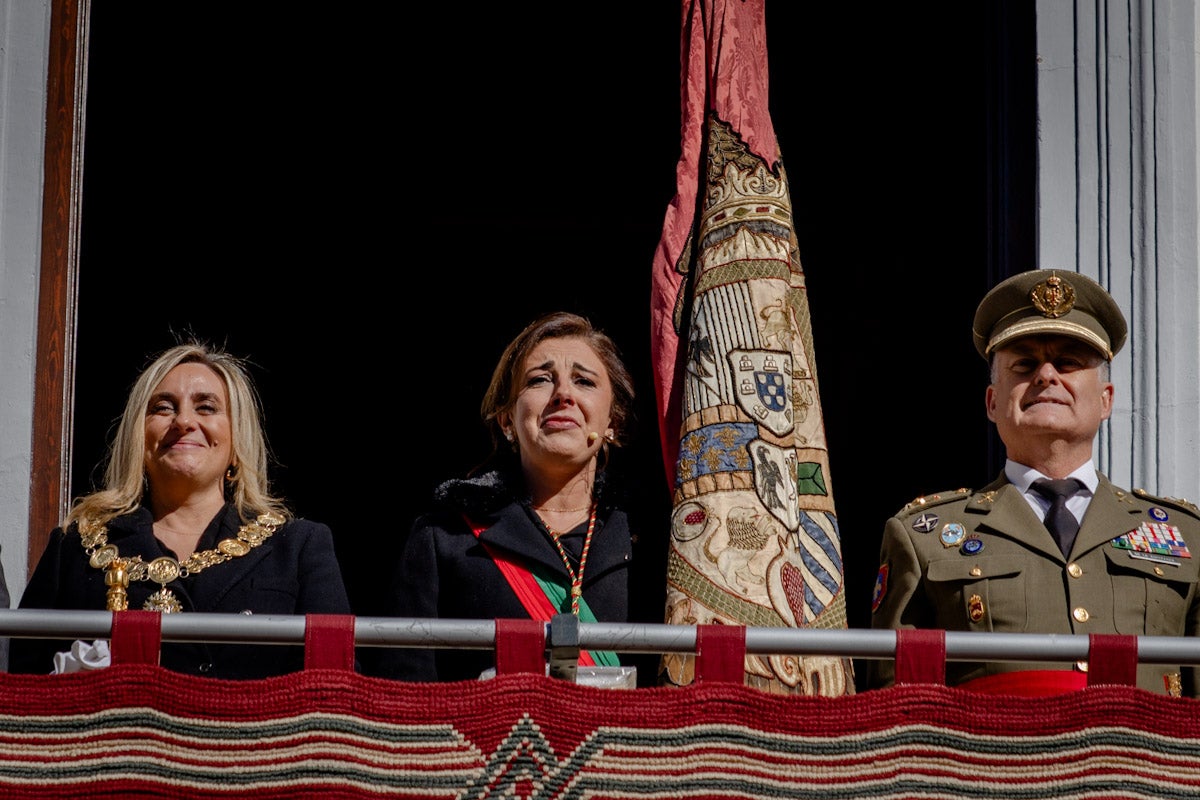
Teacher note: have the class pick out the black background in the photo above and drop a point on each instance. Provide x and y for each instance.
(368, 206)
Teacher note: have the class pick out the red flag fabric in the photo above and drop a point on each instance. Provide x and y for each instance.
(754, 536)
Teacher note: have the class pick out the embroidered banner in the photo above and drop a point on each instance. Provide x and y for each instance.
(754, 533)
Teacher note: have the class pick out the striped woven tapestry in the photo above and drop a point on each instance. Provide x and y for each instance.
(142, 731)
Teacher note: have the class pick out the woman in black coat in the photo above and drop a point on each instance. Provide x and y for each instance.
(535, 531)
(185, 523)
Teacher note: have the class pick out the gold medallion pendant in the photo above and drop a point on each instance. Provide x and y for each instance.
(163, 601)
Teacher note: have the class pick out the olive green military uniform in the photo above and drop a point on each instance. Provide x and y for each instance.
(983, 561)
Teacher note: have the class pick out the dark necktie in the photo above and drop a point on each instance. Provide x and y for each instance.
(1059, 521)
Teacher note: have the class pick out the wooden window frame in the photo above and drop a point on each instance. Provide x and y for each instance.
(54, 389)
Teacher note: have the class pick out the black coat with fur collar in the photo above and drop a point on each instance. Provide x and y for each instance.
(445, 572)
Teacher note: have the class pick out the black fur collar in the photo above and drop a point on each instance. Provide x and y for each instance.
(490, 491)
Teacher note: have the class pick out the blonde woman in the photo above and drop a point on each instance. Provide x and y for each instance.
(186, 522)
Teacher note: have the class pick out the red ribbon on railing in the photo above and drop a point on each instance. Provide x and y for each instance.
(1112, 658)
(721, 653)
(136, 637)
(329, 641)
(520, 646)
(920, 656)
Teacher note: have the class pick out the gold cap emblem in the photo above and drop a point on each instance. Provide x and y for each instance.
(1053, 297)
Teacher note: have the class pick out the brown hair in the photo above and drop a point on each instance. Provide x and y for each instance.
(501, 394)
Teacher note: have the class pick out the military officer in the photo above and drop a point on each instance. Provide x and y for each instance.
(1017, 557)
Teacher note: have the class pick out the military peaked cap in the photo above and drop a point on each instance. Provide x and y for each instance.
(1049, 302)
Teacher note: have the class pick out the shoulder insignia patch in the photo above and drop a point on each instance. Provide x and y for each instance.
(880, 588)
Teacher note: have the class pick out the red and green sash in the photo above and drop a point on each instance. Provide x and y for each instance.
(543, 597)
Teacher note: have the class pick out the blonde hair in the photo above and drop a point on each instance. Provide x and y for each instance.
(124, 475)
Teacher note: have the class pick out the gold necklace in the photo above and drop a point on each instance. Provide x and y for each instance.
(576, 577)
(561, 510)
(118, 571)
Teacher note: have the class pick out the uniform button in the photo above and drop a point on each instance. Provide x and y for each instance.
(206, 668)
(1082, 666)
(1158, 571)
(1081, 614)
(247, 611)
(1074, 570)
(976, 572)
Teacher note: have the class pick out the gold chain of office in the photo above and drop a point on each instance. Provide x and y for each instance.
(120, 572)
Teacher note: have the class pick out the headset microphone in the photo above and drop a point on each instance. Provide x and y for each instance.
(592, 437)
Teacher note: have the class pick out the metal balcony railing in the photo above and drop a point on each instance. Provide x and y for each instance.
(566, 631)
